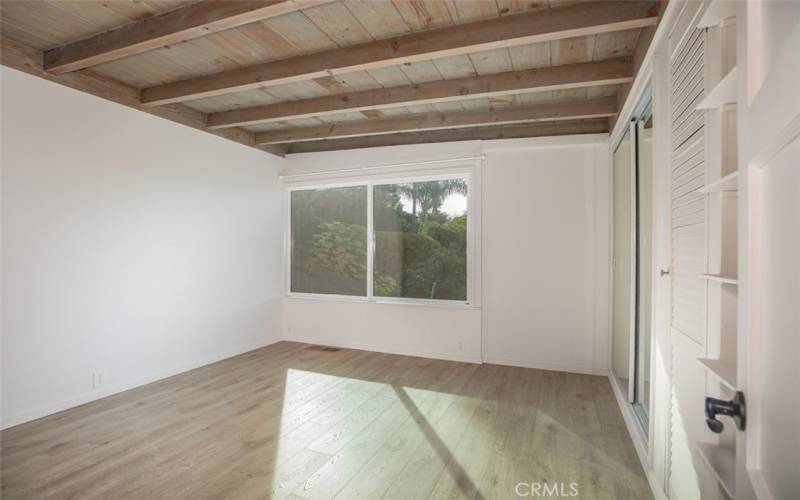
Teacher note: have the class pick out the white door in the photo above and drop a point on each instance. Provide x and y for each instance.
(769, 133)
(623, 261)
(688, 228)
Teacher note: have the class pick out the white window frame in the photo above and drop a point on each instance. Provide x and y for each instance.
(470, 174)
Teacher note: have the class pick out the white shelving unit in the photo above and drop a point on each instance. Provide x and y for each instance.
(725, 372)
(721, 190)
(723, 93)
(716, 13)
(728, 183)
(729, 280)
(722, 461)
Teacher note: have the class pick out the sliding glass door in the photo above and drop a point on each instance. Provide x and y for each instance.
(644, 258)
(624, 273)
(632, 260)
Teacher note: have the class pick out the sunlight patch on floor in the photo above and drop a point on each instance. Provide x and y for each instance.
(327, 438)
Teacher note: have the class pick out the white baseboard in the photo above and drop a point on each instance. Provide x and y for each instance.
(637, 436)
(448, 356)
(87, 397)
(386, 349)
(545, 365)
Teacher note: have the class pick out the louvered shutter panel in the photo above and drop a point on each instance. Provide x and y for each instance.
(688, 241)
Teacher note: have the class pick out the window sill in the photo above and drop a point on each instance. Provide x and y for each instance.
(437, 304)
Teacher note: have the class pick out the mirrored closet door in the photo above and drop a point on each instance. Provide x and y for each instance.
(632, 260)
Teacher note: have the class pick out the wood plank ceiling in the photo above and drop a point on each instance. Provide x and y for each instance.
(315, 75)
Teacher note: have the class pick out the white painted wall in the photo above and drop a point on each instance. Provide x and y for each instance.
(131, 246)
(546, 254)
(434, 332)
(544, 248)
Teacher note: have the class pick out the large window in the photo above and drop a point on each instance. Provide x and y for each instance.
(329, 241)
(419, 234)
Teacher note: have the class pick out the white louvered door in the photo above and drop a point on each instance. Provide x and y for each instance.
(688, 256)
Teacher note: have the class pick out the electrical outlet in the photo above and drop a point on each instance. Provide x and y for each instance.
(460, 346)
(98, 379)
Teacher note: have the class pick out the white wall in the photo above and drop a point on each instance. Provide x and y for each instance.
(546, 254)
(131, 246)
(434, 332)
(544, 262)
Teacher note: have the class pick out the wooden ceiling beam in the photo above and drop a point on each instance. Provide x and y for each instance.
(513, 82)
(467, 134)
(519, 29)
(29, 60)
(193, 21)
(573, 110)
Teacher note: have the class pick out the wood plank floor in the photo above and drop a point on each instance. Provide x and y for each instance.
(298, 421)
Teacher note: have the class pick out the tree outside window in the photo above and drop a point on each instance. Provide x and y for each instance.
(420, 234)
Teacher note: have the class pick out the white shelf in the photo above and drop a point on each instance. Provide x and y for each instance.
(724, 371)
(728, 183)
(730, 280)
(717, 12)
(723, 93)
(722, 462)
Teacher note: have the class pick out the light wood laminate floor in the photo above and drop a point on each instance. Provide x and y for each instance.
(303, 422)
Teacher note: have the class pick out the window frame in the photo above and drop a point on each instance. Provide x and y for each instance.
(469, 174)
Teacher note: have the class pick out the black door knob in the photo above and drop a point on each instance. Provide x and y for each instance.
(734, 408)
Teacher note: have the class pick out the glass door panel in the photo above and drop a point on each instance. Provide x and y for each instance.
(644, 254)
(623, 276)
(632, 264)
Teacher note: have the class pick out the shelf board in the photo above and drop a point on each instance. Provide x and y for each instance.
(723, 370)
(730, 280)
(728, 183)
(717, 12)
(723, 93)
(722, 462)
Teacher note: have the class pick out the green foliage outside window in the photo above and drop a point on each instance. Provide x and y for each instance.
(420, 249)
